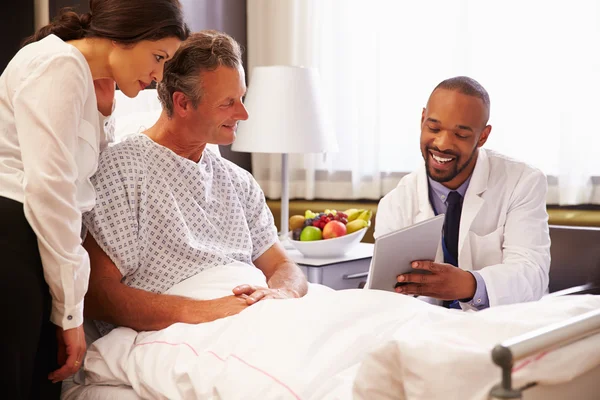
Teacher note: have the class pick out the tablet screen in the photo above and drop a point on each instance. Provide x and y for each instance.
(395, 251)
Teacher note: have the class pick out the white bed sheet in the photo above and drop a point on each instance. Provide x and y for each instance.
(451, 359)
(74, 391)
(321, 346)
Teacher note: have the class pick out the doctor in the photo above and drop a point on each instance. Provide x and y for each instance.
(496, 225)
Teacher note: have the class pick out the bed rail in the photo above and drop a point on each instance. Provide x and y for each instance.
(552, 336)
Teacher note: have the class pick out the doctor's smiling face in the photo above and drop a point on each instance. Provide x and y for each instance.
(453, 128)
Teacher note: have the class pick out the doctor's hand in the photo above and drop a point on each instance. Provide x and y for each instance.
(71, 350)
(105, 95)
(444, 282)
(257, 293)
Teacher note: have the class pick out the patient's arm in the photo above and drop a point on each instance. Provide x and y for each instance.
(111, 301)
(284, 278)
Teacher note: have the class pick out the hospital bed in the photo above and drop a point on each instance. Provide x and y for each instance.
(132, 115)
(508, 355)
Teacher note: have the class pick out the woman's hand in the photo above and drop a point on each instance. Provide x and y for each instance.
(71, 350)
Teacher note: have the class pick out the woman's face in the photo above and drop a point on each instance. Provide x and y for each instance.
(134, 67)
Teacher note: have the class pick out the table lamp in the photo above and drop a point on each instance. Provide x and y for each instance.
(286, 115)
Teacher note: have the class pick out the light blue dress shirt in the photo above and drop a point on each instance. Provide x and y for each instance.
(438, 196)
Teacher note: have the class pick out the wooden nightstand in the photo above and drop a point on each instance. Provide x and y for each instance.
(346, 272)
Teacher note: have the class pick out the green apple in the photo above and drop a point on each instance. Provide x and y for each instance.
(310, 233)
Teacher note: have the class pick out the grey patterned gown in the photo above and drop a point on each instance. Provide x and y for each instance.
(162, 218)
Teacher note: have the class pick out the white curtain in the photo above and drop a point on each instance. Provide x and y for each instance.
(379, 61)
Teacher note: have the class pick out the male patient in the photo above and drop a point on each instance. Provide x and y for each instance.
(169, 209)
(495, 224)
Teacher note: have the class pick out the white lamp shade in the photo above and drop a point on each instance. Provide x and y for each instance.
(286, 113)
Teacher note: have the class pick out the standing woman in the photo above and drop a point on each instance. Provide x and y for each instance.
(50, 139)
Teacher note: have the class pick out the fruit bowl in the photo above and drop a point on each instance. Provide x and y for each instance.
(328, 248)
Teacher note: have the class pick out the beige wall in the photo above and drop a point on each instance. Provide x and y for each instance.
(228, 16)
(41, 13)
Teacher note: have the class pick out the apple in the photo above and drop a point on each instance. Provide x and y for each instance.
(310, 233)
(334, 229)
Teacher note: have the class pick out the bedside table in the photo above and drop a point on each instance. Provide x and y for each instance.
(345, 272)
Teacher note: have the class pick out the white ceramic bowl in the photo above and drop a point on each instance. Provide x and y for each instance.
(328, 248)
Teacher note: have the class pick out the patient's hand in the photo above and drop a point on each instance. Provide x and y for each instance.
(211, 310)
(257, 293)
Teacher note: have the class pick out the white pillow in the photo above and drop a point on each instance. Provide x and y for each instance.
(146, 100)
(134, 122)
(138, 114)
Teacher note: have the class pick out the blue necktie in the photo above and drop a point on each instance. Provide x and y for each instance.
(451, 229)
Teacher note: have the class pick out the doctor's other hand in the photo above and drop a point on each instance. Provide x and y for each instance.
(257, 293)
(444, 282)
(71, 350)
(105, 95)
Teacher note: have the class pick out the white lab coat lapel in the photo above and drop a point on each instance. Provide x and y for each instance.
(425, 208)
(472, 203)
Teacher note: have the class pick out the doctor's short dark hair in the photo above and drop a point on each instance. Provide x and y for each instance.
(202, 51)
(468, 86)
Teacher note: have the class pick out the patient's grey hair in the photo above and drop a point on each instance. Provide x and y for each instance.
(202, 51)
(468, 86)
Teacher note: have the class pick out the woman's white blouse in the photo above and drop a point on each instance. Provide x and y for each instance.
(50, 138)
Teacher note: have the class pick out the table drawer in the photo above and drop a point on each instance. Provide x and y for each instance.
(346, 275)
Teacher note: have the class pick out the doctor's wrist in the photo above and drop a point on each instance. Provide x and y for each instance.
(468, 287)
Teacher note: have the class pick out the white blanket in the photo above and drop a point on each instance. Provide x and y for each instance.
(320, 346)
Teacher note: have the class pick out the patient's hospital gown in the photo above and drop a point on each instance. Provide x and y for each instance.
(163, 218)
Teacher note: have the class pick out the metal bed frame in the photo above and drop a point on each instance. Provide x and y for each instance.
(550, 337)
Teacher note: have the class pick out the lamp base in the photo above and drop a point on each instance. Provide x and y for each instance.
(285, 241)
(285, 203)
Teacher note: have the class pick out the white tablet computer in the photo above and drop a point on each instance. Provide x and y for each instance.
(395, 251)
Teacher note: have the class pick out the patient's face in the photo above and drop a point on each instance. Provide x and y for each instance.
(453, 127)
(135, 66)
(221, 106)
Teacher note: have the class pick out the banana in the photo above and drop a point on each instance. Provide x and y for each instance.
(350, 211)
(356, 225)
(354, 214)
(366, 215)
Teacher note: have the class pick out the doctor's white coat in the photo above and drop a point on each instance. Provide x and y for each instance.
(503, 228)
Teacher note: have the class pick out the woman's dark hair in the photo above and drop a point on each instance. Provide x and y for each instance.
(124, 21)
